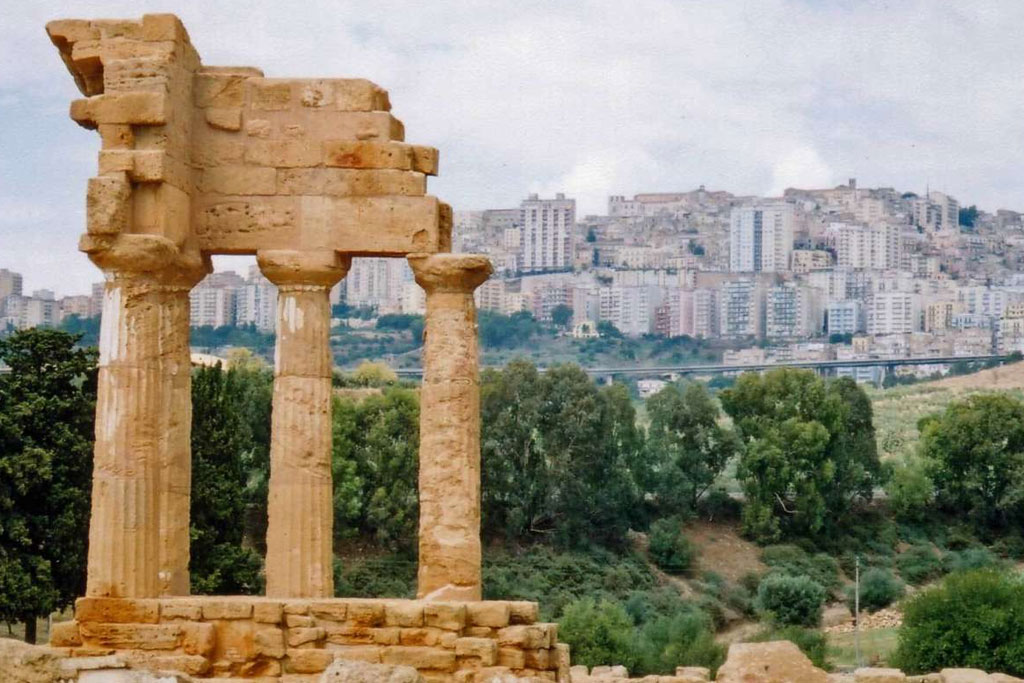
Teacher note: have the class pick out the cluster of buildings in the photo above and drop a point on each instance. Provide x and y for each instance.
(42, 309)
(878, 272)
(830, 273)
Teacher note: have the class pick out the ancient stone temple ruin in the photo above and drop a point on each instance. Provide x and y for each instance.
(305, 174)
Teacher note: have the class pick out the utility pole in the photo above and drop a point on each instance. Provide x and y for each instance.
(856, 609)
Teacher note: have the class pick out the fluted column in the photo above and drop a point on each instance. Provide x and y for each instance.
(300, 511)
(138, 531)
(449, 478)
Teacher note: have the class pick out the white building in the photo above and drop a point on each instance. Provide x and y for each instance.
(792, 311)
(761, 238)
(893, 313)
(10, 283)
(630, 309)
(256, 302)
(741, 309)
(547, 226)
(876, 247)
(377, 283)
(845, 317)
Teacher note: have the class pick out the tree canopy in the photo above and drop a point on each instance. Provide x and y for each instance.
(47, 404)
(809, 450)
(975, 456)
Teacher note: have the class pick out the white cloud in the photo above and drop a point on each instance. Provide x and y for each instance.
(800, 167)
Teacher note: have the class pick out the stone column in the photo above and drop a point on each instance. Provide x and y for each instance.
(449, 481)
(138, 532)
(301, 515)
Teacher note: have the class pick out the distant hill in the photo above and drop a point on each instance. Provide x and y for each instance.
(898, 410)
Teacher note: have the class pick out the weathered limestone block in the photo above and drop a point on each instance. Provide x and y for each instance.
(449, 481)
(108, 204)
(701, 672)
(878, 675)
(362, 672)
(483, 648)
(419, 657)
(963, 675)
(308, 661)
(491, 614)
(773, 662)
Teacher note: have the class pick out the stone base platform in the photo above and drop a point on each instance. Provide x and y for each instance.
(294, 640)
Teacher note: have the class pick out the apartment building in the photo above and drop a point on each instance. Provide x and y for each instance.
(792, 311)
(845, 317)
(741, 309)
(547, 226)
(761, 238)
(893, 312)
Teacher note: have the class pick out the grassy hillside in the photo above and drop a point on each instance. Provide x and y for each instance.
(898, 409)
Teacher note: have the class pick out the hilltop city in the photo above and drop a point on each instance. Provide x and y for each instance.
(844, 273)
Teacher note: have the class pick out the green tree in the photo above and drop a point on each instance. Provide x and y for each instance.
(375, 467)
(561, 315)
(976, 451)
(47, 405)
(223, 453)
(669, 548)
(686, 446)
(599, 633)
(974, 619)
(557, 455)
(809, 451)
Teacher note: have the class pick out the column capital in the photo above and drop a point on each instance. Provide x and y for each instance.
(147, 256)
(459, 273)
(292, 268)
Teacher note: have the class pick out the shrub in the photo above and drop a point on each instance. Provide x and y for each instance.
(685, 639)
(598, 633)
(669, 548)
(790, 600)
(811, 642)
(878, 588)
(794, 561)
(909, 489)
(969, 559)
(919, 564)
(973, 619)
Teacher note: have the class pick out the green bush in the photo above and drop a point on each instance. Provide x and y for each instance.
(669, 548)
(919, 564)
(970, 559)
(878, 588)
(794, 561)
(598, 633)
(811, 642)
(790, 600)
(973, 619)
(685, 639)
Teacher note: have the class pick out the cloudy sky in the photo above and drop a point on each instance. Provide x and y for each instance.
(586, 97)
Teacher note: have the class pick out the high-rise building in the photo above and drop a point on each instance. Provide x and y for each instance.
(630, 309)
(378, 283)
(875, 247)
(256, 302)
(547, 228)
(10, 283)
(845, 317)
(893, 312)
(761, 238)
(741, 309)
(212, 303)
(793, 311)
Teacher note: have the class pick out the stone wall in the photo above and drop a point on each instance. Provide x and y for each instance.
(295, 640)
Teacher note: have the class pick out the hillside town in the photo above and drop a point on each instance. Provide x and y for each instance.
(845, 273)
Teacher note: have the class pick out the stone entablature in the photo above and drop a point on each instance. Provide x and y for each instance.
(256, 638)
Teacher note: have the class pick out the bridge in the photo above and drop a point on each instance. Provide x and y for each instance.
(659, 370)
